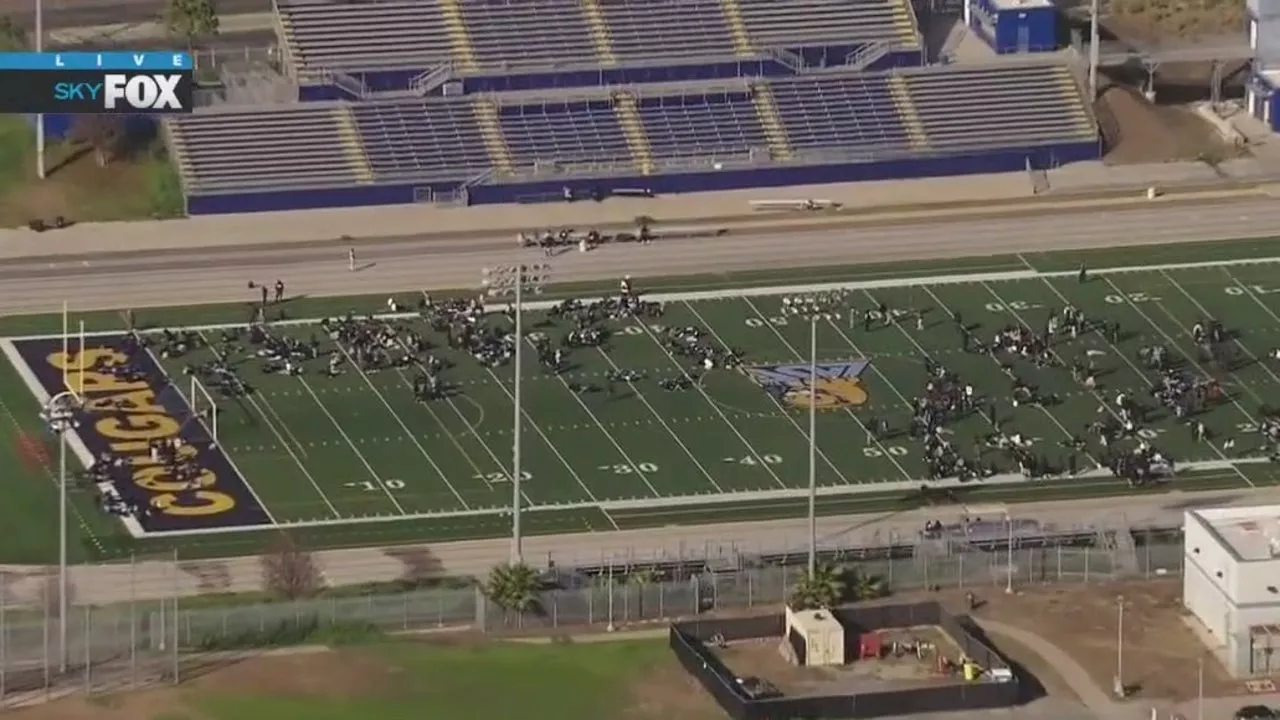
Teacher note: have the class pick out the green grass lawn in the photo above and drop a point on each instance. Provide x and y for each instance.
(348, 449)
(142, 185)
(410, 680)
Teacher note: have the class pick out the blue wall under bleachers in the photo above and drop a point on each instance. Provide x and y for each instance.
(1008, 160)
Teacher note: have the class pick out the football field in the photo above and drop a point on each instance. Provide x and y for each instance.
(357, 458)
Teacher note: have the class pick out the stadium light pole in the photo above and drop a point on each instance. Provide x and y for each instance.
(40, 169)
(513, 281)
(1094, 50)
(61, 415)
(815, 309)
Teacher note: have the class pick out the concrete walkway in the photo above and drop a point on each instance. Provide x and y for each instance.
(1071, 672)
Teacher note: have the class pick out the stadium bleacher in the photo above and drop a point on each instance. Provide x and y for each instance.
(292, 146)
(574, 119)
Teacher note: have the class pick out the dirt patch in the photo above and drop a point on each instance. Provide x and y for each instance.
(670, 693)
(1164, 21)
(309, 674)
(910, 660)
(1160, 650)
(1144, 132)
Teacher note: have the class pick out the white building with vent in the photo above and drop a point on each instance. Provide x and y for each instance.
(1231, 583)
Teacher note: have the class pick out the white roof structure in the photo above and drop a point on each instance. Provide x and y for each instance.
(1250, 534)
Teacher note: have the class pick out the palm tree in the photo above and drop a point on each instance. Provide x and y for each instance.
(514, 588)
(823, 589)
(867, 587)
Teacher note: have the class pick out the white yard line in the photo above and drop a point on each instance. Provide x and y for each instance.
(324, 497)
(209, 432)
(1173, 341)
(635, 466)
(920, 349)
(800, 357)
(403, 426)
(351, 443)
(662, 421)
(479, 472)
(1238, 342)
(781, 409)
(524, 411)
(266, 403)
(1061, 360)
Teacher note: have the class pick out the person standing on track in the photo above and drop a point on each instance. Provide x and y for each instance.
(351, 259)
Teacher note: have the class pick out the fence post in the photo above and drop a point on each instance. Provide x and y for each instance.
(87, 638)
(4, 641)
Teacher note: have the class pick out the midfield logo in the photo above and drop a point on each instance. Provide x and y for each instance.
(838, 384)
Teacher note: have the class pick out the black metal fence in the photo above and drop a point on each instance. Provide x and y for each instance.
(689, 643)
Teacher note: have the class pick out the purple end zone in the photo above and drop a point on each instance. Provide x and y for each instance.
(124, 417)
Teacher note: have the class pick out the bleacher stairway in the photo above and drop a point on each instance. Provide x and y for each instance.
(601, 38)
(907, 111)
(624, 104)
(495, 144)
(767, 112)
(737, 27)
(352, 145)
(464, 53)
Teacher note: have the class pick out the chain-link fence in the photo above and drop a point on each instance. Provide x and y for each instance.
(136, 643)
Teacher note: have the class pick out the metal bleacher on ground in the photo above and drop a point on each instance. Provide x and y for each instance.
(528, 32)
(293, 146)
(853, 113)
(422, 139)
(564, 134)
(682, 28)
(321, 35)
(713, 124)
(796, 23)
(1015, 105)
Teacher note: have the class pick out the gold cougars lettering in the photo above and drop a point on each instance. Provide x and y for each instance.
(130, 418)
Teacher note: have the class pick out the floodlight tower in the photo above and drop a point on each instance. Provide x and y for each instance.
(815, 309)
(61, 415)
(39, 47)
(513, 281)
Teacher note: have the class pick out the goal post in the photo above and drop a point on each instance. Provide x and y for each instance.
(203, 407)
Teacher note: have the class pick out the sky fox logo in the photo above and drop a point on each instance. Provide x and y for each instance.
(126, 92)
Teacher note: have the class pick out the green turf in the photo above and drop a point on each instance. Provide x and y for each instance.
(357, 446)
(492, 681)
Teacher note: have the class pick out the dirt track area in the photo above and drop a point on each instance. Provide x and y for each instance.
(1161, 652)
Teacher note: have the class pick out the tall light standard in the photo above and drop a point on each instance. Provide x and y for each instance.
(815, 309)
(513, 281)
(61, 414)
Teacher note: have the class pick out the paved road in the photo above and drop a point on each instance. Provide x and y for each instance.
(402, 264)
(89, 13)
